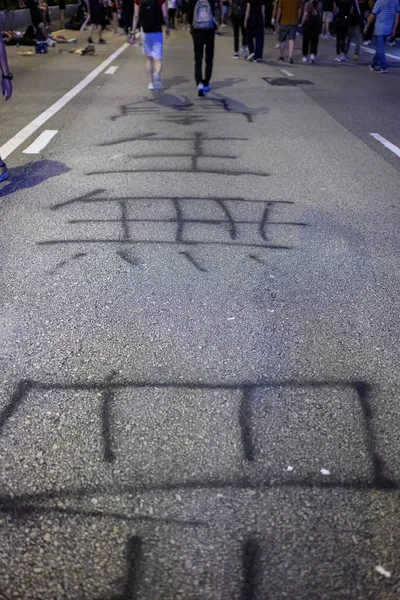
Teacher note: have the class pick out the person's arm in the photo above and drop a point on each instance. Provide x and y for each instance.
(263, 14)
(369, 22)
(6, 85)
(247, 14)
(135, 22)
(190, 13)
(164, 11)
(279, 12)
(396, 23)
(305, 15)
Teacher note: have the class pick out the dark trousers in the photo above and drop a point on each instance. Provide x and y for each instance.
(238, 25)
(342, 32)
(171, 17)
(256, 34)
(203, 38)
(310, 38)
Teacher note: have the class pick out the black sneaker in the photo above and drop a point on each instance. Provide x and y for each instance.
(90, 41)
(291, 61)
(101, 41)
(200, 90)
(281, 58)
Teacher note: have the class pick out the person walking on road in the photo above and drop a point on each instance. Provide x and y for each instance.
(97, 13)
(153, 14)
(386, 14)
(357, 16)
(238, 13)
(342, 9)
(327, 18)
(172, 6)
(254, 23)
(311, 24)
(203, 26)
(6, 90)
(289, 15)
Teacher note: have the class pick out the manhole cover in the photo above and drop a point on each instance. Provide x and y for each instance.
(282, 81)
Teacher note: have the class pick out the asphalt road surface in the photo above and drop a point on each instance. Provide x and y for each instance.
(199, 330)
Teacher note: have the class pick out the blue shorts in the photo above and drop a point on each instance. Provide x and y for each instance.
(153, 45)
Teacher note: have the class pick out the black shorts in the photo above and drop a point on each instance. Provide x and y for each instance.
(36, 16)
(98, 18)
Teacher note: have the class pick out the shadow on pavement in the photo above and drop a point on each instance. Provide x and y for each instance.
(26, 177)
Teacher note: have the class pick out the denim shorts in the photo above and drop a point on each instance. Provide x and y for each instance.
(153, 45)
(287, 32)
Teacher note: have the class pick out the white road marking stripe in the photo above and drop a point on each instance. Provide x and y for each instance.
(288, 73)
(386, 143)
(41, 141)
(27, 131)
(111, 70)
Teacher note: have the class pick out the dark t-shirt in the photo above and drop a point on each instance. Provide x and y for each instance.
(150, 15)
(328, 5)
(256, 6)
(343, 11)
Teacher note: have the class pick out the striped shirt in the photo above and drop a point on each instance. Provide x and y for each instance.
(385, 13)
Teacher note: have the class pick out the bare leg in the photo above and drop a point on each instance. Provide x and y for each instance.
(115, 22)
(150, 68)
(291, 48)
(43, 30)
(62, 17)
(157, 66)
(282, 50)
(100, 32)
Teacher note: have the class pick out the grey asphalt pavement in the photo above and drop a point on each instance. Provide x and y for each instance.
(199, 332)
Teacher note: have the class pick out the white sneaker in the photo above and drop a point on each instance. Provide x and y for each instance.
(151, 86)
(277, 45)
(200, 90)
(312, 58)
(50, 42)
(250, 56)
(304, 59)
(243, 52)
(367, 43)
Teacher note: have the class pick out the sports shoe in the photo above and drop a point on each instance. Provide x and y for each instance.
(250, 56)
(391, 44)
(236, 55)
(383, 71)
(243, 51)
(3, 171)
(304, 59)
(151, 86)
(101, 41)
(291, 61)
(312, 58)
(206, 88)
(200, 90)
(157, 82)
(277, 45)
(367, 43)
(356, 56)
(90, 40)
(371, 68)
(280, 58)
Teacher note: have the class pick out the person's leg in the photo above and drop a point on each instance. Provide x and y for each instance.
(291, 48)
(209, 42)
(244, 32)
(358, 39)
(314, 38)
(338, 38)
(380, 50)
(62, 18)
(150, 68)
(345, 32)
(198, 46)
(235, 23)
(259, 42)
(282, 40)
(3, 170)
(101, 29)
(250, 40)
(157, 66)
(349, 39)
(306, 38)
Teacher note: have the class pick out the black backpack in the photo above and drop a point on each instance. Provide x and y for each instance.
(151, 17)
(238, 8)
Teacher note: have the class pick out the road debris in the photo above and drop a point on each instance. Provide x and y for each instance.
(383, 571)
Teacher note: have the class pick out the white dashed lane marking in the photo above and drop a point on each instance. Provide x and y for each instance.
(386, 143)
(41, 141)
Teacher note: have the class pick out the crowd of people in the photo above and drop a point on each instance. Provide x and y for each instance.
(348, 19)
